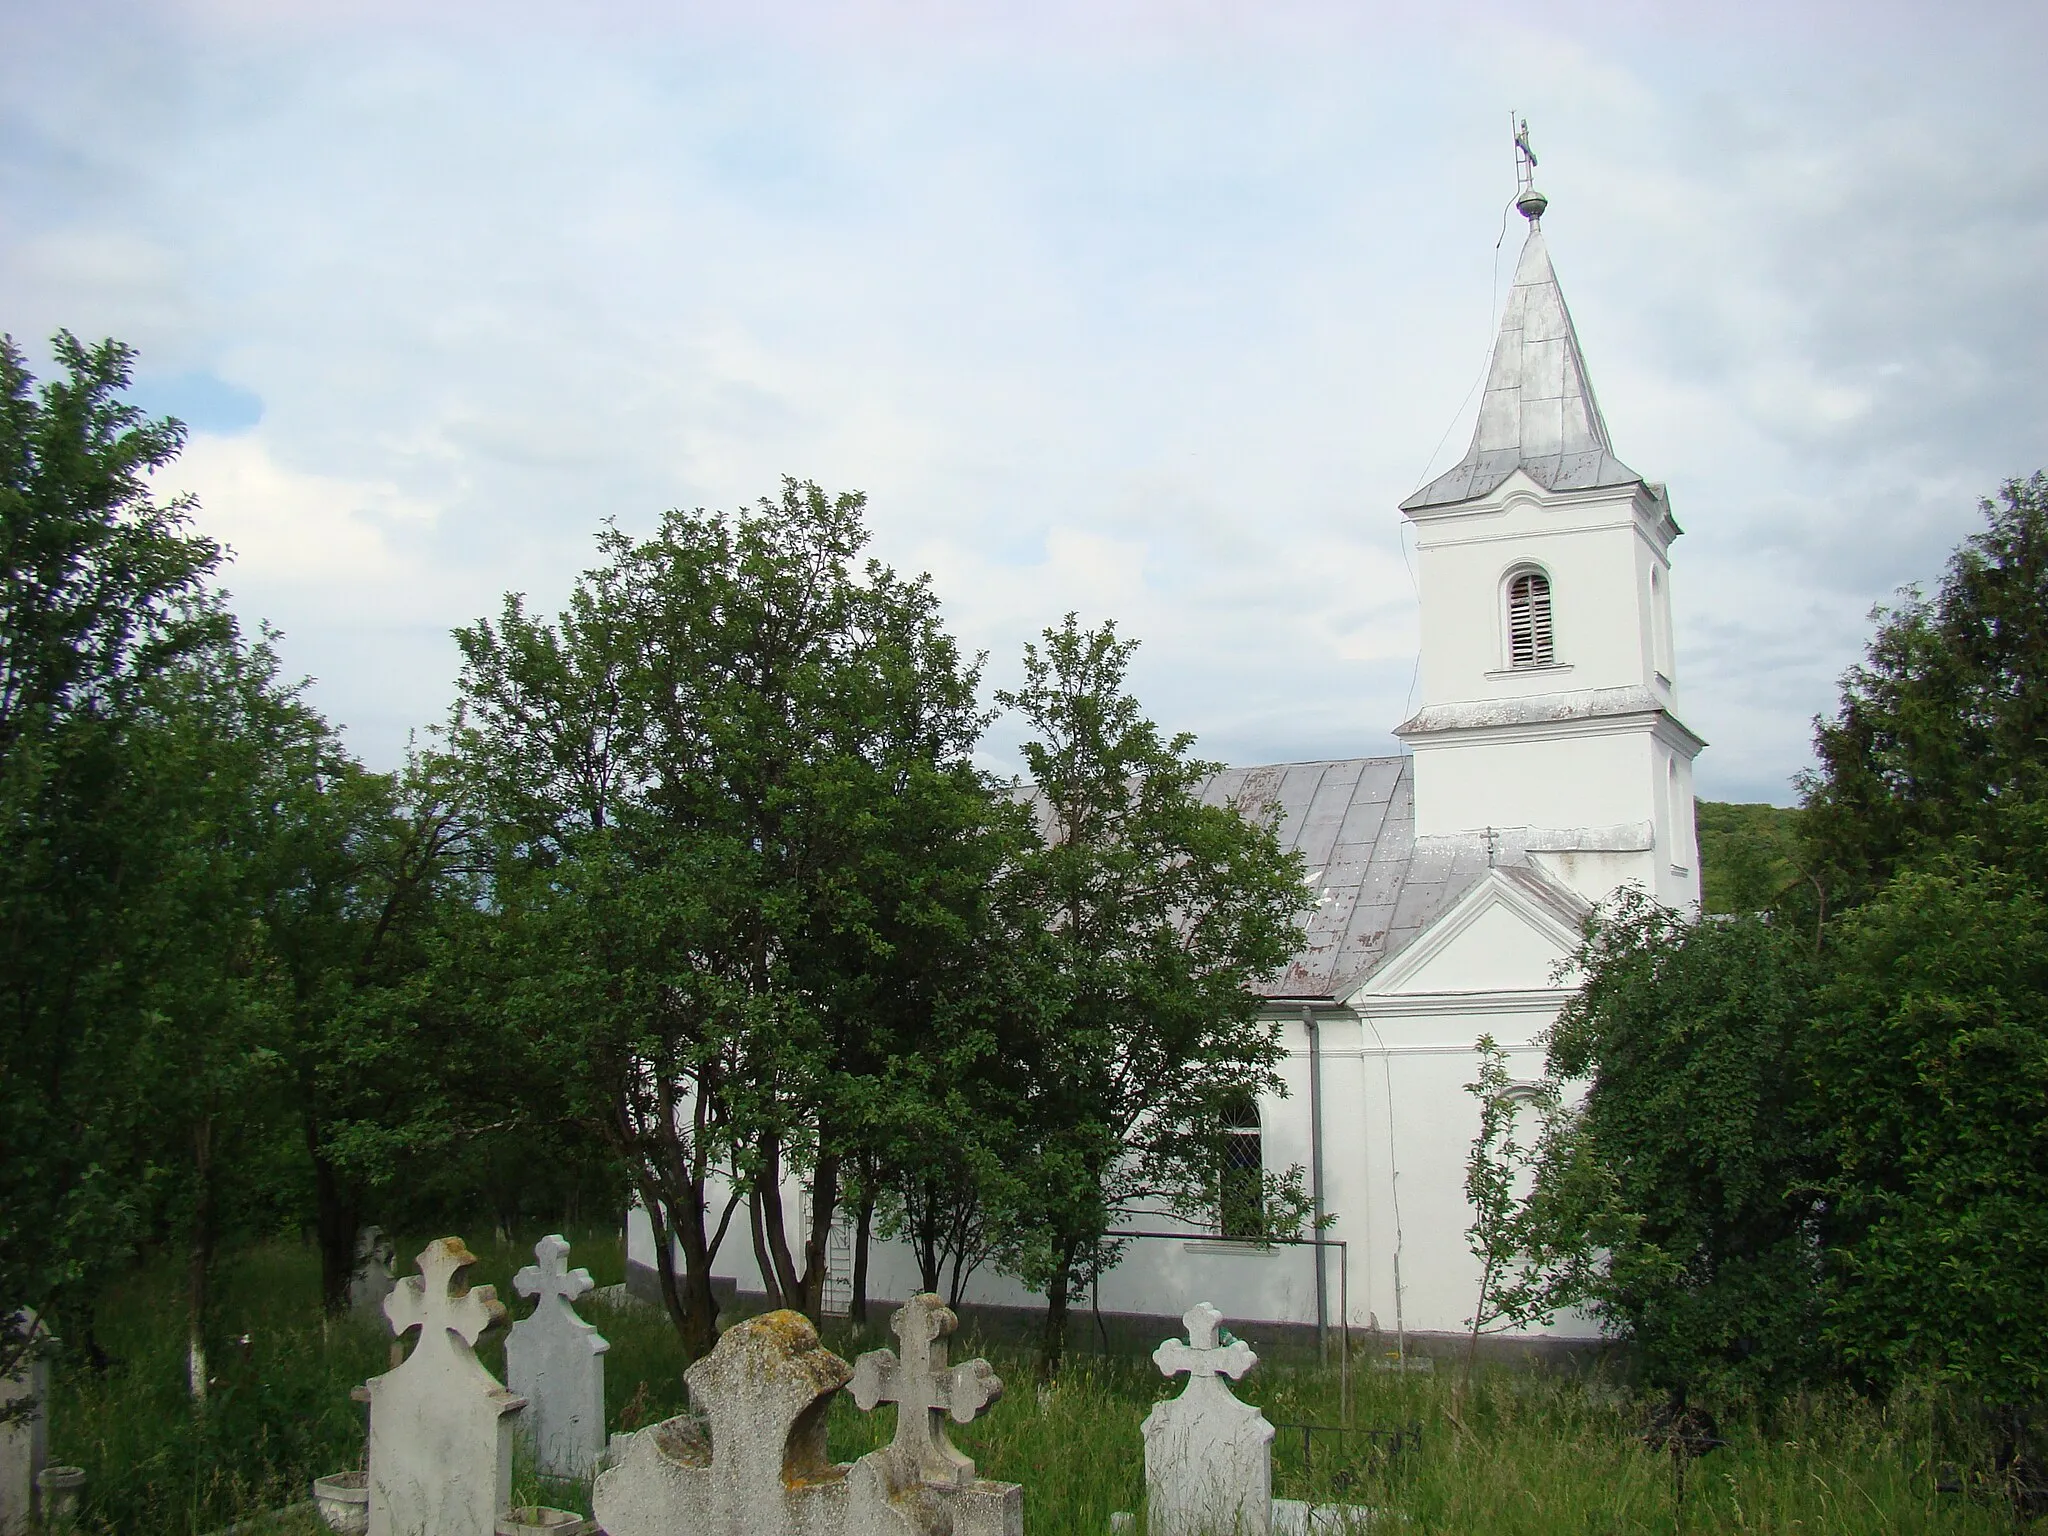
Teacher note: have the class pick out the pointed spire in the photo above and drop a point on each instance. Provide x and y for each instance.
(1538, 414)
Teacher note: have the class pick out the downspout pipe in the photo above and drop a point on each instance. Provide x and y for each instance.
(1315, 1174)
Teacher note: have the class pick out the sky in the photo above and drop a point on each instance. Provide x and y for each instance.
(1152, 312)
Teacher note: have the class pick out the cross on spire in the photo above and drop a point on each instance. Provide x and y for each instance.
(1202, 1357)
(1528, 201)
(440, 1301)
(924, 1389)
(548, 1279)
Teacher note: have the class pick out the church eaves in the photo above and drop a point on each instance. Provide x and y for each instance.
(1538, 414)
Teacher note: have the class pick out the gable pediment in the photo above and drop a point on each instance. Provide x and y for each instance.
(1507, 934)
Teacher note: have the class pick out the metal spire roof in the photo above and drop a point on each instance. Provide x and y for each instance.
(1538, 414)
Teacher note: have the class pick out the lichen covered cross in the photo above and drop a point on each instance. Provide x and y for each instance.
(549, 1280)
(440, 1302)
(924, 1388)
(1202, 1357)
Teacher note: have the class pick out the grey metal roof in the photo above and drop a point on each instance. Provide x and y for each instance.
(1376, 889)
(1353, 821)
(1538, 414)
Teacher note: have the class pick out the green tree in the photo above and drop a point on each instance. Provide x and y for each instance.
(1944, 720)
(737, 820)
(1926, 818)
(102, 589)
(1154, 916)
(370, 908)
(1931, 1062)
(1516, 1268)
(221, 745)
(1681, 1200)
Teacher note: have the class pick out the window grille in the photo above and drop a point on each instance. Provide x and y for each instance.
(1529, 636)
(1241, 1202)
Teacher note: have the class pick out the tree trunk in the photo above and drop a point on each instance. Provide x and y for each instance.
(335, 1224)
(1052, 1344)
(824, 1206)
(923, 1224)
(787, 1283)
(756, 1223)
(691, 1303)
(863, 1231)
(199, 1263)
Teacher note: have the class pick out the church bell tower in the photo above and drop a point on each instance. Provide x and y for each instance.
(1549, 687)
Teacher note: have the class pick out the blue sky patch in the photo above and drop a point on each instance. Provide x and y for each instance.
(203, 400)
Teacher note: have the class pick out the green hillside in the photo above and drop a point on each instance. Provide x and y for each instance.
(1745, 853)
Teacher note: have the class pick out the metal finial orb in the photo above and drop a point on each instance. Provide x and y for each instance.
(1531, 205)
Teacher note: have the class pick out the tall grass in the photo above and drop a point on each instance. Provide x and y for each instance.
(1517, 1451)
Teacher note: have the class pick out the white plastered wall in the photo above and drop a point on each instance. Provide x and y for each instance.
(1596, 548)
(1397, 1130)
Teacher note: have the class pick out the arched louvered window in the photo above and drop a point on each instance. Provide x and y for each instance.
(1529, 638)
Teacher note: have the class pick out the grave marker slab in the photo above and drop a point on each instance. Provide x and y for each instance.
(440, 1424)
(371, 1280)
(555, 1360)
(1208, 1456)
(24, 1442)
(764, 1393)
(754, 1464)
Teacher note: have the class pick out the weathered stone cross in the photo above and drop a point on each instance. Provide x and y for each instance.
(440, 1424)
(1208, 1457)
(1201, 1357)
(766, 1390)
(924, 1389)
(431, 1301)
(555, 1360)
(549, 1280)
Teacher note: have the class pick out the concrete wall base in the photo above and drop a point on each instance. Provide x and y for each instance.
(1137, 1333)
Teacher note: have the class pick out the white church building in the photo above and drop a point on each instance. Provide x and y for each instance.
(1546, 767)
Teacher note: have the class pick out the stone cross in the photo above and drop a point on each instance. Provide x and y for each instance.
(440, 1424)
(555, 1360)
(371, 1280)
(1208, 1457)
(24, 1428)
(1201, 1357)
(761, 1470)
(764, 1392)
(925, 1390)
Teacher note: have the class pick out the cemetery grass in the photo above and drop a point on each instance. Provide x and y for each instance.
(1517, 1451)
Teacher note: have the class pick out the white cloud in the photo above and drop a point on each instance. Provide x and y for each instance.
(287, 528)
(1151, 314)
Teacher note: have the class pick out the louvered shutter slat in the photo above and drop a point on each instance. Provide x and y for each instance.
(1529, 628)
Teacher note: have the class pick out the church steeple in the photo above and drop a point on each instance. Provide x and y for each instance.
(1548, 705)
(1538, 414)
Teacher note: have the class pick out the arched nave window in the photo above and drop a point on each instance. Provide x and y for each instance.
(1241, 1182)
(1529, 628)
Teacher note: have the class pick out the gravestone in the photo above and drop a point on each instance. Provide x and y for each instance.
(920, 1478)
(440, 1424)
(371, 1280)
(555, 1360)
(24, 1439)
(755, 1464)
(761, 1469)
(1208, 1457)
